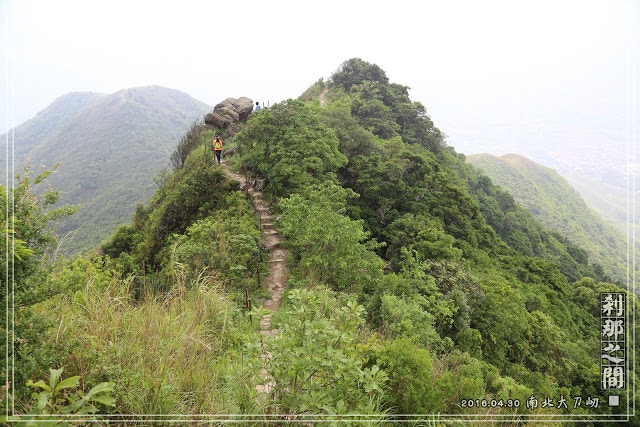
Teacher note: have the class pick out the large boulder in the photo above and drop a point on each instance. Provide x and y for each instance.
(244, 106)
(227, 113)
(216, 120)
(227, 104)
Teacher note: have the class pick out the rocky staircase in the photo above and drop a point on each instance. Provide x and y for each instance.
(276, 279)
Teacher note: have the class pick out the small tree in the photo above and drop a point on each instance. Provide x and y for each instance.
(27, 242)
(187, 144)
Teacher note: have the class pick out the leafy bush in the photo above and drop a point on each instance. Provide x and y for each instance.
(410, 388)
(291, 147)
(226, 244)
(457, 376)
(58, 404)
(406, 317)
(330, 247)
(315, 364)
(191, 194)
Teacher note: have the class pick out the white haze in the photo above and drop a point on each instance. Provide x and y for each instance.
(495, 76)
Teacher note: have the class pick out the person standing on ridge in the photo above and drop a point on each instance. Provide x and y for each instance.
(257, 107)
(217, 147)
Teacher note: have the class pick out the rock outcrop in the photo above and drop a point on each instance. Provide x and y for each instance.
(228, 113)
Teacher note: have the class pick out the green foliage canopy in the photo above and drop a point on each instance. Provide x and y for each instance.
(330, 246)
(290, 146)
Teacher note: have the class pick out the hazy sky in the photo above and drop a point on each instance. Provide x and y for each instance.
(492, 74)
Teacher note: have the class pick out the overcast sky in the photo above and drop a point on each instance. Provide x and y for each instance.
(490, 73)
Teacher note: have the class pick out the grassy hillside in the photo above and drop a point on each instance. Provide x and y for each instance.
(415, 284)
(109, 149)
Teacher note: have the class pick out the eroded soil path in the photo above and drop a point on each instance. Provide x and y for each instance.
(323, 95)
(276, 279)
(272, 240)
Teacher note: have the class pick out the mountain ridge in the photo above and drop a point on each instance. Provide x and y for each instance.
(108, 149)
(48, 121)
(558, 205)
(415, 284)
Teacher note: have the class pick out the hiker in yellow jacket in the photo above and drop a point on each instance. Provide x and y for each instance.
(217, 147)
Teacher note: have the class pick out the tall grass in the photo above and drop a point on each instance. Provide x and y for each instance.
(183, 352)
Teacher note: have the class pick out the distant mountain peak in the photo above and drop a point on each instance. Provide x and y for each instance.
(110, 147)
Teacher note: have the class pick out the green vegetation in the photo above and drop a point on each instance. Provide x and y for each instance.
(25, 251)
(291, 147)
(415, 285)
(316, 365)
(558, 207)
(55, 398)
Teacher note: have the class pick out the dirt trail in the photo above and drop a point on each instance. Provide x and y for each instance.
(276, 279)
(323, 95)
